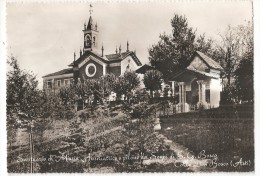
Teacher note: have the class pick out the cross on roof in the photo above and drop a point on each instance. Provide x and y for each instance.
(90, 9)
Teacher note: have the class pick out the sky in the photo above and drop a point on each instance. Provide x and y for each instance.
(43, 37)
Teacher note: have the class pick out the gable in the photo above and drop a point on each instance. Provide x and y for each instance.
(198, 64)
(209, 61)
(93, 58)
(91, 69)
(128, 63)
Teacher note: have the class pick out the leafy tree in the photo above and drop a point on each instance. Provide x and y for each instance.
(175, 50)
(107, 82)
(25, 106)
(230, 50)
(227, 53)
(120, 87)
(67, 94)
(24, 100)
(124, 84)
(132, 80)
(204, 45)
(152, 80)
(244, 79)
(234, 52)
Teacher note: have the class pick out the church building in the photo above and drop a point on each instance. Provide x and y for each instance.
(196, 86)
(92, 63)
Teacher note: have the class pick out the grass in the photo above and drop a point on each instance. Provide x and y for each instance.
(230, 139)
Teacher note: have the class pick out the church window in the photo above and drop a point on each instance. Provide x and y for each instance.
(88, 40)
(66, 82)
(49, 85)
(58, 83)
(90, 70)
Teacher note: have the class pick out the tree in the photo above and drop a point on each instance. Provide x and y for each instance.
(132, 80)
(67, 94)
(152, 80)
(120, 87)
(24, 102)
(244, 78)
(230, 50)
(23, 96)
(124, 84)
(234, 52)
(227, 53)
(175, 50)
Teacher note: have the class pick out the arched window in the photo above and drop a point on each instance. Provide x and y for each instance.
(88, 40)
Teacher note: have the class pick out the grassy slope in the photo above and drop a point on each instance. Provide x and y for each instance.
(230, 139)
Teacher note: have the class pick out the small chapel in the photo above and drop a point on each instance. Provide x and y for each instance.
(197, 85)
(92, 63)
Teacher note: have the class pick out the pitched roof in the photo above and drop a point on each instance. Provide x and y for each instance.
(61, 72)
(107, 58)
(209, 61)
(144, 68)
(178, 76)
(90, 24)
(86, 54)
(122, 56)
(202, 73)
(118, 56)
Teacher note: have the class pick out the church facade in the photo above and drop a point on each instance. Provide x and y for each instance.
(92, 63)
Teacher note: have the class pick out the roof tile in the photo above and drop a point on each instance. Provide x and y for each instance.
(209, 61)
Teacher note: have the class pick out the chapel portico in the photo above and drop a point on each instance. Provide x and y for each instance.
(199, 84)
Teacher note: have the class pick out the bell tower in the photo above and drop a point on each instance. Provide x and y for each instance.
(90, 34)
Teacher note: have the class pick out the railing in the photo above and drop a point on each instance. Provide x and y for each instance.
(167, 109)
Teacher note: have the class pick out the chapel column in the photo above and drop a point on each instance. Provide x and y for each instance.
(202, 92)
(173, 90)
(180, 92)
(182, 96)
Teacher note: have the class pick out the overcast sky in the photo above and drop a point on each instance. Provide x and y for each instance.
(43, 37)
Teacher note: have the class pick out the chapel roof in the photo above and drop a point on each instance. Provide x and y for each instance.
(61, 72)
(144, 68)
(186, 74)
(209, 61)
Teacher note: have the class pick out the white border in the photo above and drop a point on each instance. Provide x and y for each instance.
(3, 153)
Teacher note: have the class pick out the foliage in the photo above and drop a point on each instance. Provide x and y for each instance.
(120, 87)
(132, 80)
(235, 53)
(125, 84)
(22, 92)
(25, 102)
(174, 50)
(152, 80)
(230, 50)
(244, 80)
(67, 94)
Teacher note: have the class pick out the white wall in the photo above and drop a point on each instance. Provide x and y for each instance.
(132, 65)
(215, 89)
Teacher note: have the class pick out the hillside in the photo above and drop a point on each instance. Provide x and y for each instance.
(112, 139)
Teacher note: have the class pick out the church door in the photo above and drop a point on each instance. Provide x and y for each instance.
(194, 92)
